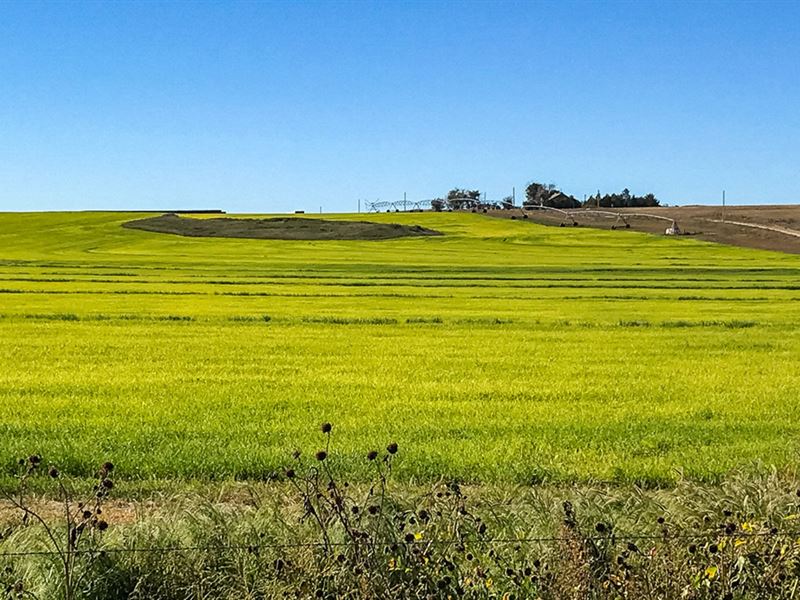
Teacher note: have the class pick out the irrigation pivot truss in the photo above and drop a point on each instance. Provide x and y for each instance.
(621, 219)
(449, 204)
(398, 206)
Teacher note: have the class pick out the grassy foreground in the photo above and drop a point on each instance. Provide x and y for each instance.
(502, 351)
(314, 535)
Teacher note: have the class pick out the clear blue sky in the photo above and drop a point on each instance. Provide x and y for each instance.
(265, 107)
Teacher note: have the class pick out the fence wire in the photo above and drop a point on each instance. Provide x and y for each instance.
(254, 548)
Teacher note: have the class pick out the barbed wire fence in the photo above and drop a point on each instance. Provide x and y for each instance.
(610, 537)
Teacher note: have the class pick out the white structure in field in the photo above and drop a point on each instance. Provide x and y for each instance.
(673, 229)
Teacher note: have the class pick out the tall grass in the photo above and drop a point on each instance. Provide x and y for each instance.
(315, 535)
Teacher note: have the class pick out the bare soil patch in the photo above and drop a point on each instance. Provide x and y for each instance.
(52, 511)
(278, 228)
(700, 222)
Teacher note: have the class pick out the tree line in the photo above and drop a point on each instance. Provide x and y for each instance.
(540, 194)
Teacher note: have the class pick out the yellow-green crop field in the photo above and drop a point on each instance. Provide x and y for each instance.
(503, 351)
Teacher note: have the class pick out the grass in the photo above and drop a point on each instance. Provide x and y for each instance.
(502, 351)
(314, 535)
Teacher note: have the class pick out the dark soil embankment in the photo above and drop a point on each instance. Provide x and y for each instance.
(279, 228)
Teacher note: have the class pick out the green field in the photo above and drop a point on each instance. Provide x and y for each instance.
(502, 351)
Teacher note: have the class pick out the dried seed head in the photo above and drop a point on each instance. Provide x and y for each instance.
(35, 459)
(107, 467)
(326, 427)
(53, 472)
(600, 527)
(392, 448)
(107, 483)
(730, 528)
(290, 473)
(372, 455)
(321, 455)
(102, 525)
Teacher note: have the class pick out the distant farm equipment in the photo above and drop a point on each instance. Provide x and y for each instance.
(398, 206)
(621, 220)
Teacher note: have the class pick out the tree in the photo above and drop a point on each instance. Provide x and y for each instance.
(650, 200)
(623, 199)
(536, 193)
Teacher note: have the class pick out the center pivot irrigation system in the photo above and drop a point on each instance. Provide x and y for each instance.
(621, 219)
(398, 206)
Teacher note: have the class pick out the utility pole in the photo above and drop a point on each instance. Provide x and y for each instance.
(359, 205)
(513, 196)
(723, 206)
